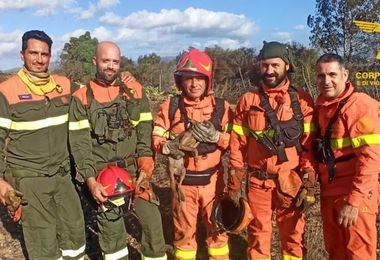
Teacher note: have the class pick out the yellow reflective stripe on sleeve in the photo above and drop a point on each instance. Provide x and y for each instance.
(6, 123)
(356, 141)
(147, 116)
(143, 257)
(117, 255)
(240, 130)
(219, 251)
(185, 254)
(73, 253)
(289, 257)
(308, 127)
(79, 125)
(365, 140)
(158, 130)
(39, 124)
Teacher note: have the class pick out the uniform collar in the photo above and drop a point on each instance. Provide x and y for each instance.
(204, 102)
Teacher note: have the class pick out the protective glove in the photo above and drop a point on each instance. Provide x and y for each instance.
(234, 182)
(304, 200)
(306, 197)
(205, 132)
(188, 142)
(13, 202)
(141, 182)
(144, 190)
(171, 148)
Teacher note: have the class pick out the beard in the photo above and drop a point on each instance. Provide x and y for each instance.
(107, 78)
(273, 83)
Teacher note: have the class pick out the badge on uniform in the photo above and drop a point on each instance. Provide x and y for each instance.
(59, 89)
(25, 96)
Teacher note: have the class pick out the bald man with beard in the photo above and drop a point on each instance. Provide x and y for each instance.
(111, 125)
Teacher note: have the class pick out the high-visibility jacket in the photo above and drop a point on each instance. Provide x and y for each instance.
(198, 111)
(250, 116)
(355, 142)
(33, 128)
(127, 134)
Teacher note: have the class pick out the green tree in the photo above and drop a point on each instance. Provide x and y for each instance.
(304, 61)
(76, 58)
(148, 69)
(333, 29)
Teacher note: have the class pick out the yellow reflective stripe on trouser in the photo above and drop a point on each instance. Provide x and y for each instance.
(154, 258)
(146, 116)
(79, 125)
(308, 127)
(289, 257)
(73, 253)
(240, 130)
(185, 254)
(6, 123)
(160, 131)
(117, 255)
(219, 251)
(39, 124)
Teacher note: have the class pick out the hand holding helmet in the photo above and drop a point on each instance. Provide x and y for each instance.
(117, 187)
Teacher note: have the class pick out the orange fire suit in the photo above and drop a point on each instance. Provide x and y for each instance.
(263, 193)
(355, 142)
(196, 197)
(34, 158)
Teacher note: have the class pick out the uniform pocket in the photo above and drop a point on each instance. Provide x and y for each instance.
(256, 118)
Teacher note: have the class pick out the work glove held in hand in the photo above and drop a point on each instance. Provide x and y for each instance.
(205, 132)
(234, 183)
(306, 197)
(13, 202)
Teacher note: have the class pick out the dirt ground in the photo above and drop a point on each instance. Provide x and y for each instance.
(12, 246)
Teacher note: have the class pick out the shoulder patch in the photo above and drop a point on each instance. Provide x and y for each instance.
(365, 125)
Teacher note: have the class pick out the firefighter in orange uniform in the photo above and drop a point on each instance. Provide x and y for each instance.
(271, 134)
(348, 152)
(208, 118)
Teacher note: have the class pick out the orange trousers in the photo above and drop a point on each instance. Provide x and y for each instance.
(357, 242)
(198, 198)
(263, 201)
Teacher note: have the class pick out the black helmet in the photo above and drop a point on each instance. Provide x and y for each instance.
(226, 216)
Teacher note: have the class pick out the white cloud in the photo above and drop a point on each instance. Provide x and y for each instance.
(191, 22)
(92, 9)
(283, 36)
(43, 7)
(107, 3)
(299, 27)
(102, 34)
(10, 43)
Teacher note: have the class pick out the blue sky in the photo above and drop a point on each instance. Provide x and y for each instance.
(165, 27)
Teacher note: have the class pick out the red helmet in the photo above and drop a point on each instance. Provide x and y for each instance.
(118, 183)
(194, 63)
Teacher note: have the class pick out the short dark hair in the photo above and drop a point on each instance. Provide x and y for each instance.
(330, 57)
(38, 35)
